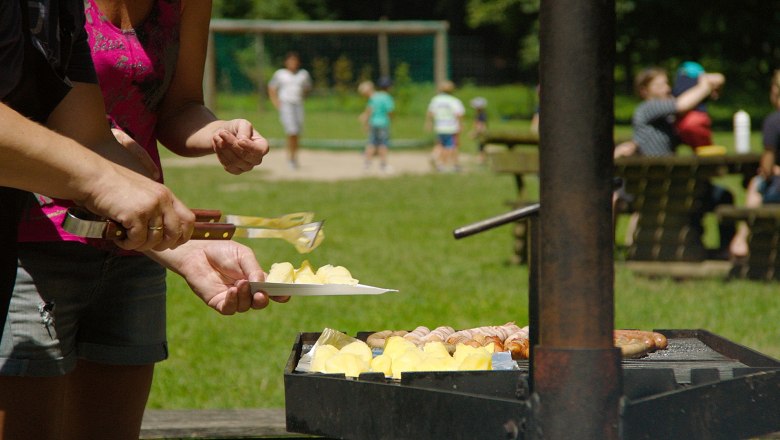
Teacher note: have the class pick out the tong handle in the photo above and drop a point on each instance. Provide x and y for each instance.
(207, 215)
(213, 231)
(201, 231)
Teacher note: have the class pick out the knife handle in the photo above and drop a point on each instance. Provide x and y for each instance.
(207, 215)
(213, 231)
(114, 231)
(201, 231)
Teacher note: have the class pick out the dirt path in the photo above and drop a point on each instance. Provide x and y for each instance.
(326, 165)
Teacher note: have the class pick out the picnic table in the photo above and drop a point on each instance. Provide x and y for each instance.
(668, 193)
(509, 138)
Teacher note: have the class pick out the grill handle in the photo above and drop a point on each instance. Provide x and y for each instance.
(492, 222)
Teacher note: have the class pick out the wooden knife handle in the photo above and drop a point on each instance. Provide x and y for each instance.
(213, 231)
(207, 215)
(114, 231)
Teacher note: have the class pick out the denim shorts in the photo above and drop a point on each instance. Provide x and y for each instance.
(73, 301)
(379, 136)
(769, 189)
(448, 141)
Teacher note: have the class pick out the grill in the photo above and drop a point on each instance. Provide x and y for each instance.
(575, 384)
(702, 386)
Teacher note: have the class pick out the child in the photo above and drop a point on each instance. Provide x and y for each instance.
(479, 104)
(445, 115)
(376, 117)
(694, 128)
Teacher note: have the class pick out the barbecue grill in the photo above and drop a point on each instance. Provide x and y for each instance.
(575, 384)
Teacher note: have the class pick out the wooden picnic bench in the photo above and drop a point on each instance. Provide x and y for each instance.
(762, 262)
(519, 162)
(668, 193)
(509, 138)
(261, 423)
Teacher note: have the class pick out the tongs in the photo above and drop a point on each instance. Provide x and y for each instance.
(304, 236)
(281, 222)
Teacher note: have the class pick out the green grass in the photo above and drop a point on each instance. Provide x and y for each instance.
(397, 233)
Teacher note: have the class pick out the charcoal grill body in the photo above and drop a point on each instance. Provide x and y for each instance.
(702, 387)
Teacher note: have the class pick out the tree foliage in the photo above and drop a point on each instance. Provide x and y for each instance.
(738, 38)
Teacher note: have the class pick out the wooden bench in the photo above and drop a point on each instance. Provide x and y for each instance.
(763, 261)
(519, 162)
(510, 139)
(668, 193)
(264, 423)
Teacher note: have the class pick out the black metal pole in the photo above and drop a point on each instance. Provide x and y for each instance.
(576, 374)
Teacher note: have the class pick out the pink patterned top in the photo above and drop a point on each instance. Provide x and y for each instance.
(134, 69)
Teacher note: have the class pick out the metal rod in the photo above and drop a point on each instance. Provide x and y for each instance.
(493, 222)
(577, 369)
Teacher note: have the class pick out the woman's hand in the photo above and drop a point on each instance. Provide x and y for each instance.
(219, 272)
(239, 146)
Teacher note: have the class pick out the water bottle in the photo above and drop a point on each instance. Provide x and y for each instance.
(742, 132)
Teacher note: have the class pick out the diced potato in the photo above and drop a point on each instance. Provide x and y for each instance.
(382, 364)
(281, 273)
(477, 361)
(321, 354)
(462, 351)
(329, 274)
(347, 363)
(409, 360)
(436, 349)
(397, 345)
(437, 363)
(305, 274)
(359, 348)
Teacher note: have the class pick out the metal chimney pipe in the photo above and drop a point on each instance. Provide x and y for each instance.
(576, 376)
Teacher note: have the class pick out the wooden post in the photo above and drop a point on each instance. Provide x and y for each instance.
(384, 55)
(260, 57)
(210, 75)
(440, 56)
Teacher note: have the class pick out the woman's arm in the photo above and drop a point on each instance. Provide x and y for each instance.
(185, 125)
(35, 158)
(218, 272)
(88, 126)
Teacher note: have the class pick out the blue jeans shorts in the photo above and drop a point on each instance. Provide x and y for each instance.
(448, 141)
(73, 301)
(379, 136)
(769, 189)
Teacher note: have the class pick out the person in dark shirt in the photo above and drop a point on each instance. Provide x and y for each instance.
(765, 187)
(46, 78)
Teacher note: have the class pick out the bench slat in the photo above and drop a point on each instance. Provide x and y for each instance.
(216, 423)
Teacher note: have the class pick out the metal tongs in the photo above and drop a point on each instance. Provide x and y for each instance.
(296, 228)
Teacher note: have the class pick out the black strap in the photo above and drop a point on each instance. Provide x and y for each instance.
(41, 86)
